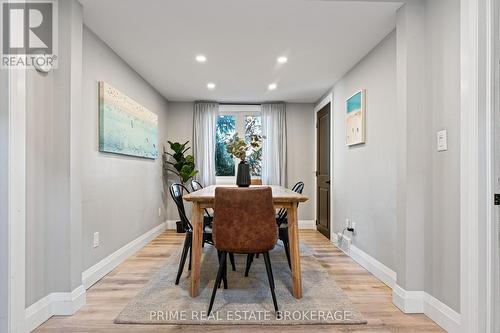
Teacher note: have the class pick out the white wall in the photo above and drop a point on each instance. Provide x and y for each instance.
(53, 254)
(443, 61)
(398, 180)
(300, 131)
(120, 195)
(364, 176)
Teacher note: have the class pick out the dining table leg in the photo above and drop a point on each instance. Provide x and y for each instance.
(293, 236)
(197, 222)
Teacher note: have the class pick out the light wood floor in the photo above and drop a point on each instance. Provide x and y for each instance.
(110, 295)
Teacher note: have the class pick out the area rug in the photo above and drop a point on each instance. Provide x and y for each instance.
(247, 300)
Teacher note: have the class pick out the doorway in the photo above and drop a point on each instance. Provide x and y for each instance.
(323, 181)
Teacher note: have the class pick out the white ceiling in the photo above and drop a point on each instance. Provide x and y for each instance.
(241, 40)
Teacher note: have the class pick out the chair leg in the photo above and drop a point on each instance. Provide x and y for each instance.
(185, 249)
(270, 278)
(286, 245)
(224, 276)
(249, 263)
(220, 273)
(190, 256)
(231, 259)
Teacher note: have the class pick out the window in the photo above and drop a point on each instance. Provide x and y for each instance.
(244, 120)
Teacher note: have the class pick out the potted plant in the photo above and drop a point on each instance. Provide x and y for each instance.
(240, 148)
(182, 166)
(179, 164)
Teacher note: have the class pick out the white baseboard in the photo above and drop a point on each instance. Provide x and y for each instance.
(406, 301)
(307, 224)
(382, 272)
(106, 265)
(303, 224)
(372, 265)
(54, 304)
(422, 302)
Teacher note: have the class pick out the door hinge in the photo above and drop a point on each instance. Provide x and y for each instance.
(497, 199)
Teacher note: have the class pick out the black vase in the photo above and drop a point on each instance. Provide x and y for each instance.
(243, 178)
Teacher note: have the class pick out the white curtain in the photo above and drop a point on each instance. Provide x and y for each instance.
(274, 170)
(204, 126)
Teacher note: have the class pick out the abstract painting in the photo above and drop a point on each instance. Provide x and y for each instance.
(125, 126)
(355, 119)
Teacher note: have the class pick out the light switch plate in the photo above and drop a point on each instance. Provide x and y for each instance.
(96, 239)
(442, 140)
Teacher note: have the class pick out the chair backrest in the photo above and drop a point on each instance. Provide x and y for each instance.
(177, 191)
(244, 220)
(256, 181)
(195, 185)
(282, 213)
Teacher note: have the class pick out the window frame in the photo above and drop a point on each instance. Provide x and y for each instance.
(239, 112)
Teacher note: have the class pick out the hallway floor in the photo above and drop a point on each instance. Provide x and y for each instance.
(109, 296)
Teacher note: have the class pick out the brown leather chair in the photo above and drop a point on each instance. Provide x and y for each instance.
(244, 222)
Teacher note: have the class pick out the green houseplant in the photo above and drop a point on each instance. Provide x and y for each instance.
(178, 163)
(242, 149)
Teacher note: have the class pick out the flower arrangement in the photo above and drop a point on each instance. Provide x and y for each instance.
(240, 148)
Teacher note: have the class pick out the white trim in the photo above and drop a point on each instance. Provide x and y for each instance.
(303, 224)
(422, 302)
(54, 304)
(307, 224)
(106, 265)
(408, 301)
(381, 272)
(442, 314)
(17, 199)
(475, 84)
(327, 99)
(372, 265)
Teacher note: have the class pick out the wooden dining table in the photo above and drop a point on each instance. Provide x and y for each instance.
(282, 198)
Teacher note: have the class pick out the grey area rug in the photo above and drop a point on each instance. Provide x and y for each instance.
(248, 299)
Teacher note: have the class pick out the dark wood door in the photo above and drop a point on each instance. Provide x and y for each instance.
(323, 171)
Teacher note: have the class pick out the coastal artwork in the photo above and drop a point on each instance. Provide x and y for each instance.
(355, 119)
(125, 126)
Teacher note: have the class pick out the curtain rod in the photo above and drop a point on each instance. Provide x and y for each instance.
(240, 103)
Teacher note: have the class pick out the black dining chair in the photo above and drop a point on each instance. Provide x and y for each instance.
(207, 218)
(177, 191)
(282, 221)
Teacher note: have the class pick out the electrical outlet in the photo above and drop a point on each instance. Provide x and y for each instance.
(96, 239)
(159, 211)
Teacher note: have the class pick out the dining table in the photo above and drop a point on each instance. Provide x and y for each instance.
(282, 198)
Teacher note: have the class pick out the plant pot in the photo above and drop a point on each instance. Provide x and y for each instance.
(180, 227)
(243, 178)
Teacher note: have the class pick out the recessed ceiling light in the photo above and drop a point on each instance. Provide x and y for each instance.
(201, 58)
(211, 85)
(272, 86)
(282, 60)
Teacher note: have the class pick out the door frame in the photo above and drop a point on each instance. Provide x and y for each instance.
(16, 200)
(476, 156)
(328, 98)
